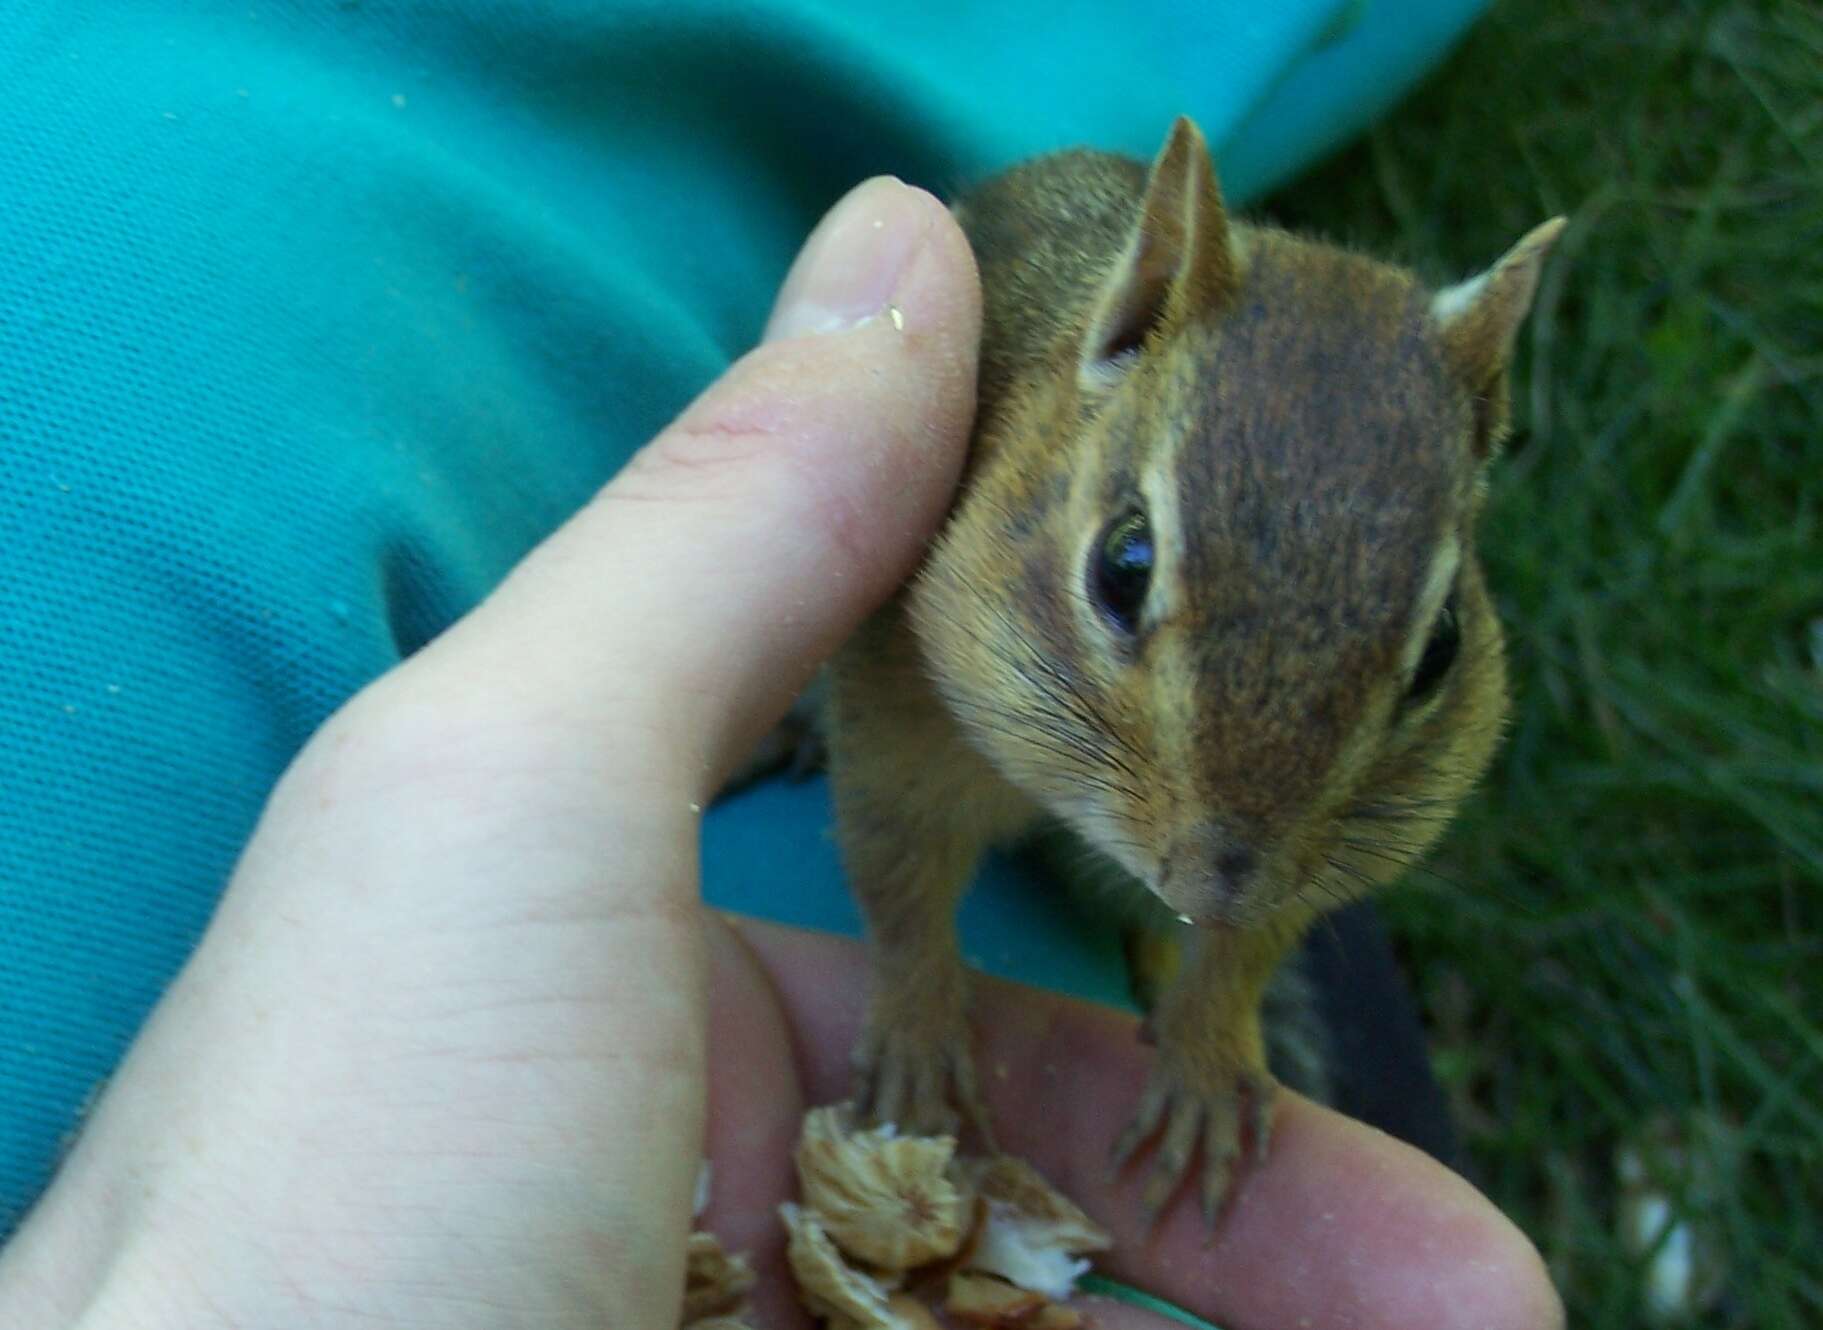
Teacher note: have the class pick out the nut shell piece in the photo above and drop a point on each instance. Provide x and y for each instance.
(831, 1287)
(987, 1301)
(913, 1313)
(715, 1283)
(886, 1199)
(1017, 1187)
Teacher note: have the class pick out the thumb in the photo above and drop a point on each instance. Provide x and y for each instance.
(702, 587)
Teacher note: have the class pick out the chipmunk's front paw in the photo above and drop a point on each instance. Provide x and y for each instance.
(916, 1079)
(1201, 1104)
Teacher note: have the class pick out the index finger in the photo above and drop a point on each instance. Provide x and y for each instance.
(1342, 1225)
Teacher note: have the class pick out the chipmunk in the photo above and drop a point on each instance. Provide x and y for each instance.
(1208, 597)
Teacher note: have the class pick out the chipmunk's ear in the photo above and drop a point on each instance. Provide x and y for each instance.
(1478, 320)
(1178, 262)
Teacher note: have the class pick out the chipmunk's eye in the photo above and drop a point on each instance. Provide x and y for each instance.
(1121, 570)
(1439, 654)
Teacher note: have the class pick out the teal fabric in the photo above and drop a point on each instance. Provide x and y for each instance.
(315, 316)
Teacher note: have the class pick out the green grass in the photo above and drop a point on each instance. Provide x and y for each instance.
(1623, 941)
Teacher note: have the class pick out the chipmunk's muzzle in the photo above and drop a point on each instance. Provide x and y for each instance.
(1211, 875)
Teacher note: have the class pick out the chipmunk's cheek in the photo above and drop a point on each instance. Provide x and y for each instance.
(1303, 872)
(1114, 831)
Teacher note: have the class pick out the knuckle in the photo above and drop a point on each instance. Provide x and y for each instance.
(698, 460)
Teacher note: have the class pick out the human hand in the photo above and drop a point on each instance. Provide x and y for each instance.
(447, 1054)
(1341, 1226)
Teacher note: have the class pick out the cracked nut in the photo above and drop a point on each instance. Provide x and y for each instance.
(1032, 1234)
(886, 1199)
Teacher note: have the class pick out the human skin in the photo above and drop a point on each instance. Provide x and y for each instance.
(449, 1053)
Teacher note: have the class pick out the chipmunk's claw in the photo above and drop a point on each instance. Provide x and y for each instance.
(1153, 1101)
(1262, 1097)
(917, 1084)
(1206, 1118)
(1171, 1159)
(1214, 1190)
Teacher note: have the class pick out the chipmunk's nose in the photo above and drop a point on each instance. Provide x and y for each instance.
(1234, 868)
(1209, 874)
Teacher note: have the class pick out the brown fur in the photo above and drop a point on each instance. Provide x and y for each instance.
(1305, 434)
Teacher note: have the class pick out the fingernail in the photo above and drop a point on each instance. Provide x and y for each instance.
(852, 263)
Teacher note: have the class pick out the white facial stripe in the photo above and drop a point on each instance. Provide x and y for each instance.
(1158, 490)
(1437, 583)
(1101, 376)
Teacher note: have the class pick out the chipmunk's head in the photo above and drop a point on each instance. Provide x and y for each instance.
(1217, 604)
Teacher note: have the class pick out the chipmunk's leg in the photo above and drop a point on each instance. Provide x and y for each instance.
(913, 1058)
(1211, 1078)
(1154, 956)
(915, 809)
